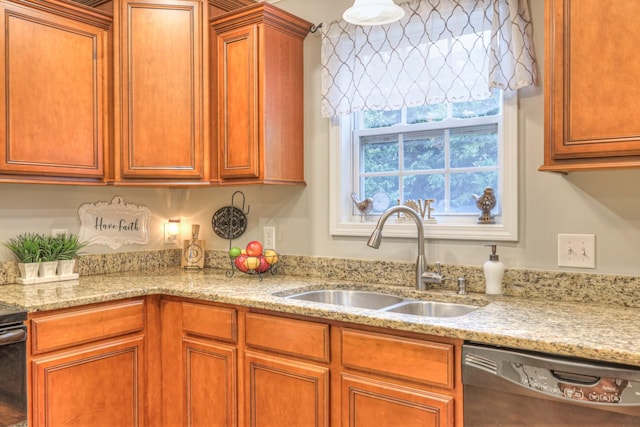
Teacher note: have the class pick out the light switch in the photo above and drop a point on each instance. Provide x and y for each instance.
(577, 250)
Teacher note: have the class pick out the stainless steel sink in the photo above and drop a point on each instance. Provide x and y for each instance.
(432, 308)
(359, 299)
(384, 302)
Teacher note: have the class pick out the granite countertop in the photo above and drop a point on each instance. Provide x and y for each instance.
(565, 328)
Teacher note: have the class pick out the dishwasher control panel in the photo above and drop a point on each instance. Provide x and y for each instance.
(561, 378)
(595, 389)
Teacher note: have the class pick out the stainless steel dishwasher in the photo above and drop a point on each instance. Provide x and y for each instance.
(504, 387)
(13, 367)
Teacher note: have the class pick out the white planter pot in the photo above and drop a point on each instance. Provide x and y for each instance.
(65, 267)
(48, 268)
(28, 271)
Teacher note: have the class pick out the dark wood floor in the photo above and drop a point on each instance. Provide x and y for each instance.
(10, 416)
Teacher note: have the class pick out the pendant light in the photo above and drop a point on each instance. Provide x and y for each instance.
(373, 12)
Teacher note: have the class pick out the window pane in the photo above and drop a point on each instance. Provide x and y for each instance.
(485, 107)
(424, 151)
(381, 184)
(426, 114)
(379, 155)
(465, 185)
(379, 119)
(474, 147)
(429, 186)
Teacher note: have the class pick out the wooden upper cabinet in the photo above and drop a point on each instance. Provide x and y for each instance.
(54, 90)
(592, 117)
(218, 7)
(159, 102)
(259, 95)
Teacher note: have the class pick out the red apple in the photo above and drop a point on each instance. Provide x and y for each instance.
(263, 266)
(254, 248)
(241, 263)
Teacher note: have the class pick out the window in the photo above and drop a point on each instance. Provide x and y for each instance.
(416, 113)
(443, 152)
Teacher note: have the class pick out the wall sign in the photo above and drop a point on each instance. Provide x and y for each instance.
(114, 223)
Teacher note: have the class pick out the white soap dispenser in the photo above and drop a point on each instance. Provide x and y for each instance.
(493, 273)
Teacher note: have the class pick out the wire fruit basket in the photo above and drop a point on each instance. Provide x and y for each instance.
(253, 260)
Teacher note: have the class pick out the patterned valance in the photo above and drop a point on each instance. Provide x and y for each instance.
(441, 51)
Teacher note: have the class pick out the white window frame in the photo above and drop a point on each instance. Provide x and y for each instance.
(343, 222)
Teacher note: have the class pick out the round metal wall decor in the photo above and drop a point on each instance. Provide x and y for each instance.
(229, 222)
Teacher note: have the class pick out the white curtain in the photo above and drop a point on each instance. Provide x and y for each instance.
(441, 51)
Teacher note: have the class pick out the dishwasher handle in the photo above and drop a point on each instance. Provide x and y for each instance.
(13, 336)
(575, 379)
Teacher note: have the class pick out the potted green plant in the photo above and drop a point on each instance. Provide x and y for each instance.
(27, 247)
(49, 250)
(67, 250)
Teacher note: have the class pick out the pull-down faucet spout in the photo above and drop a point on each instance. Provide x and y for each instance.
(376, 238)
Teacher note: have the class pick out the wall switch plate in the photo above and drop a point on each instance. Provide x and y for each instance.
(269, 237)
(577, 250)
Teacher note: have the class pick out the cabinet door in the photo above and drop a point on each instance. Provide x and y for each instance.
(210, 383)
(284, 392)
(161, 93)
(590, 85)
(260, 85)
(93, 386)
(367, 402)
(53, 94)
(238, 133)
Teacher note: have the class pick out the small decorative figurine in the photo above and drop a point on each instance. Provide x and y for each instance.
(364, 206)
(485, 203)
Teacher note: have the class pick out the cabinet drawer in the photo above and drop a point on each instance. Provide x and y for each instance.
(405, 358)
(206, 320)
(68, 327)
(294, 337)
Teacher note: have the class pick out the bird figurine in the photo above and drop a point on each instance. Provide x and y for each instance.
(363, 206)
(485, 203)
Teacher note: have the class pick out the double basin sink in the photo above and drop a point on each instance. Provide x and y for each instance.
(384, 302)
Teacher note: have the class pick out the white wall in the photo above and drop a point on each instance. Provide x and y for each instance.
(603, 203)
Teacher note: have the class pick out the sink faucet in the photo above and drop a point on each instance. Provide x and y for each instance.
(423, 277)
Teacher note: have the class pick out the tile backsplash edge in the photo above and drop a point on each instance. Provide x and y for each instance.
(550, 285)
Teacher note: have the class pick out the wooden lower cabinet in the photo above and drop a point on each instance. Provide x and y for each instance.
(96, 386)
(169, 361)
(199, 379)
(285, 392)
(210, 383)
(286, 372)
(87, 365)
(368, 402)
(392, 380)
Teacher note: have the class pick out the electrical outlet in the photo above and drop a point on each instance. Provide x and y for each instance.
(269, 237)
(577, 250)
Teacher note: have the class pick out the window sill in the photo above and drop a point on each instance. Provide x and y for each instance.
(493, 232)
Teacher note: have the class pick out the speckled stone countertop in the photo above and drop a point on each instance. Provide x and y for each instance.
(600, 332)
